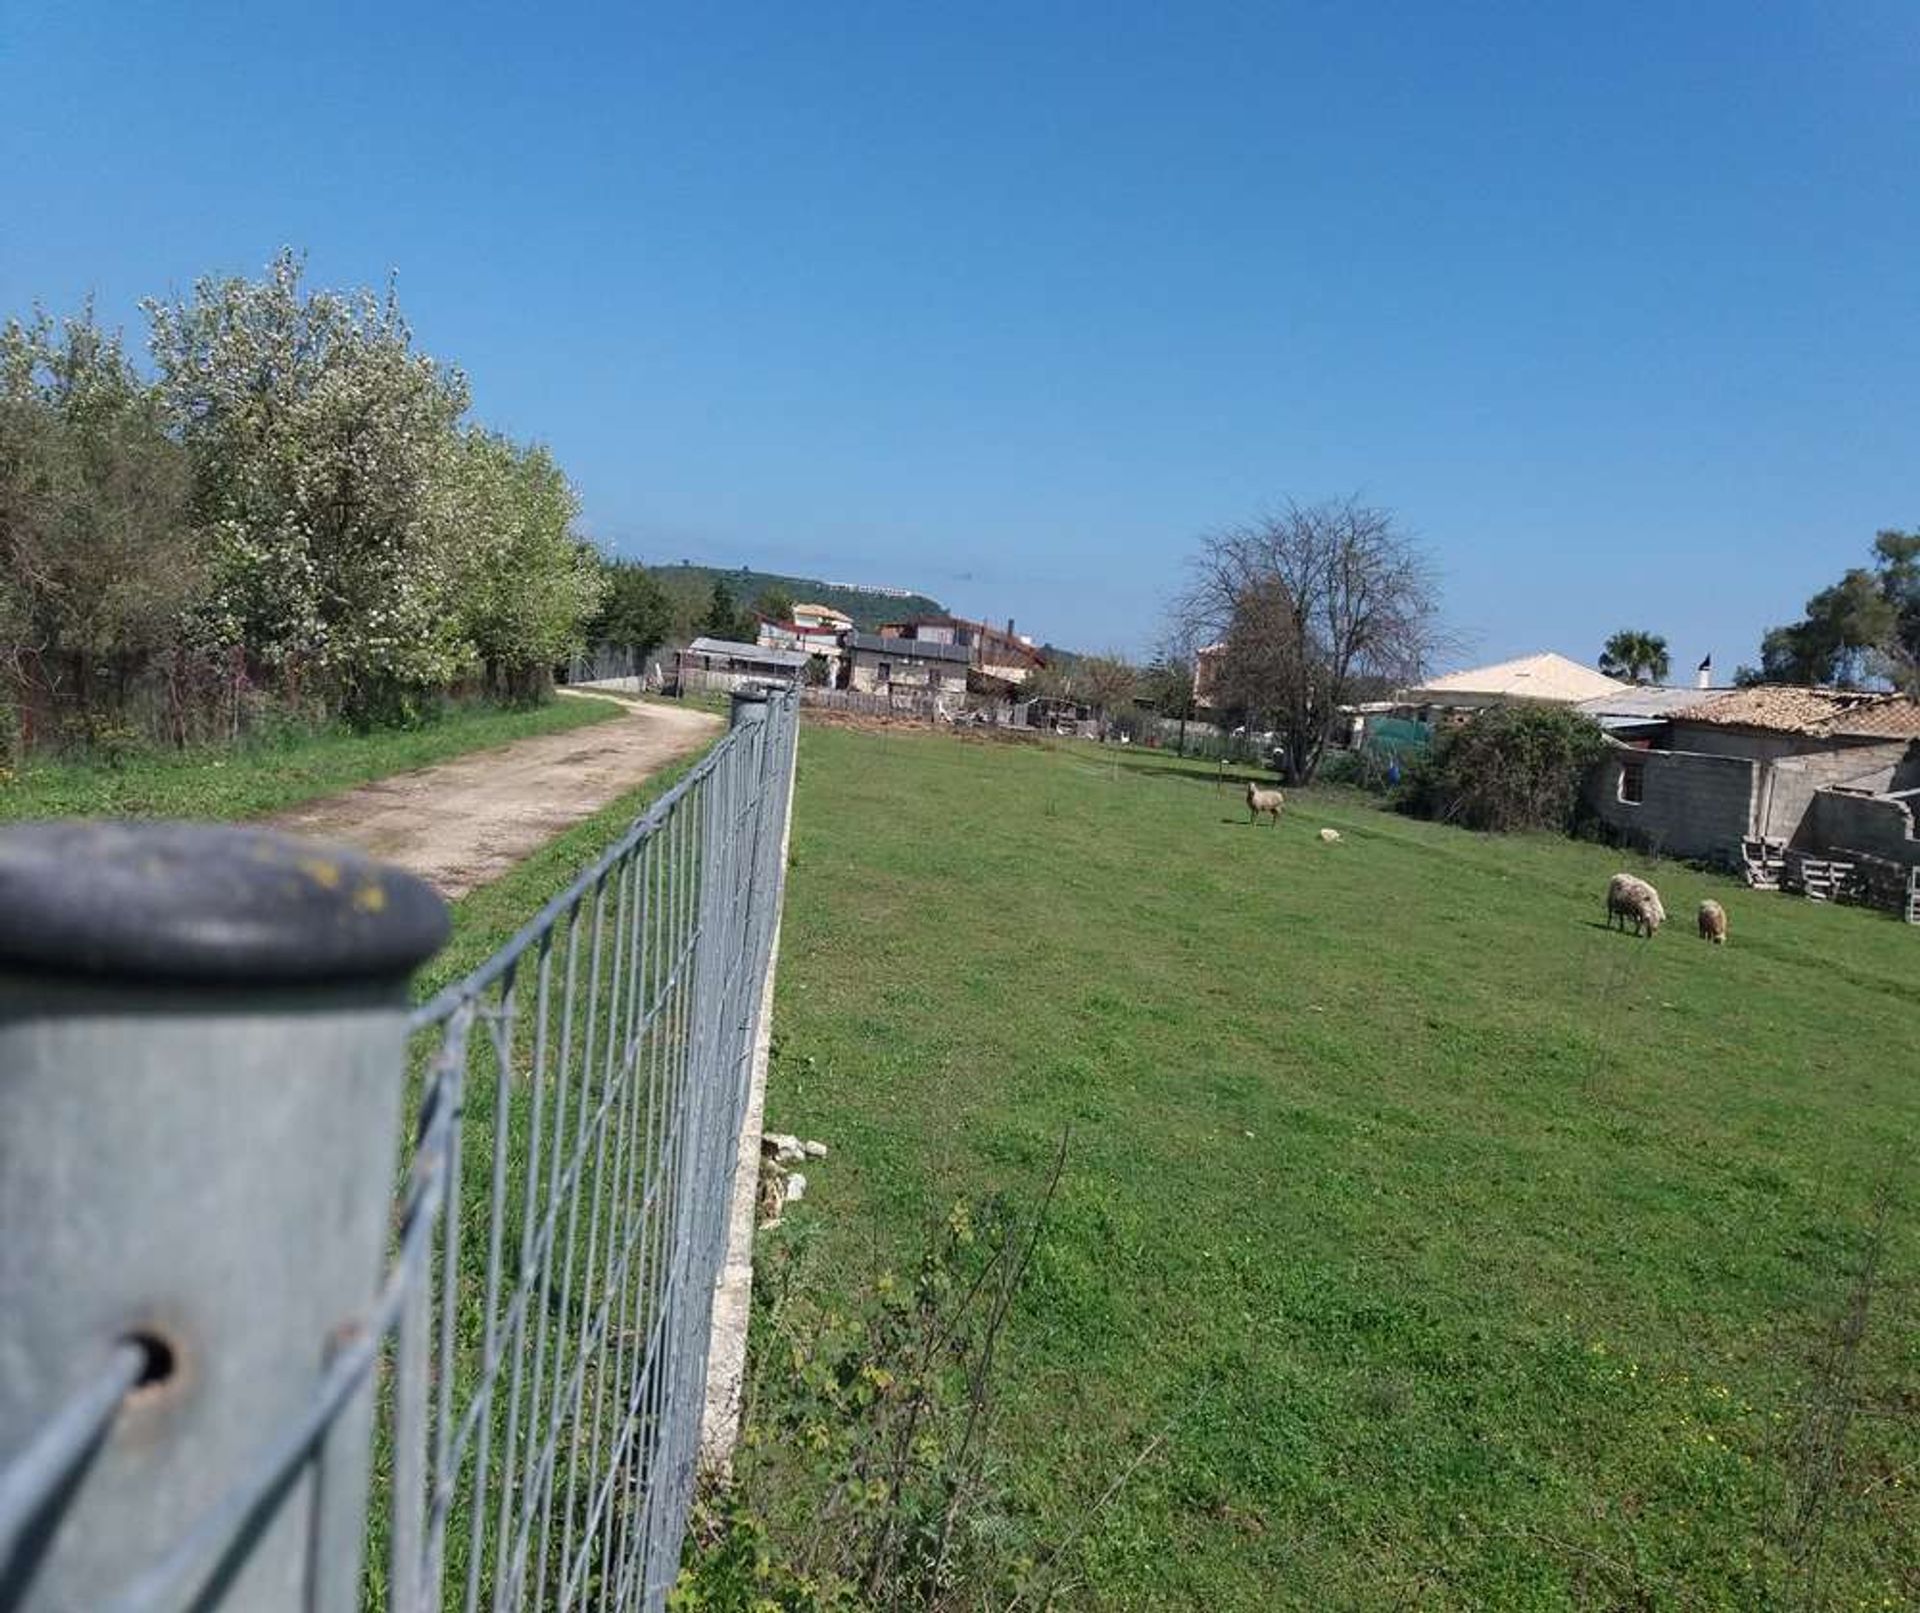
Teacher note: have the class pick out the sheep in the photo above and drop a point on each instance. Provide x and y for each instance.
(1267, 801)
(1631, 898)
(1713, 923)
(1331, 836)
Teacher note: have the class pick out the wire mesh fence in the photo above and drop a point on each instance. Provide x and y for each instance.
(529, 1380)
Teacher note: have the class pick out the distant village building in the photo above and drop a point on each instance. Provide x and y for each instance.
(880, 663)
(811, 638)
(1209, 663)
(1000, 659)
(724, 665)
(822, 618)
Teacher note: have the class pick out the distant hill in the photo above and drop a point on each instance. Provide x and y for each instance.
(868, 607)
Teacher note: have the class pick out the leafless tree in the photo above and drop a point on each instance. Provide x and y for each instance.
(1311, 601)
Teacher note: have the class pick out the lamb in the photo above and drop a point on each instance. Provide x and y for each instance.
(1267, 801)
(1631, 898)
(1713, 923)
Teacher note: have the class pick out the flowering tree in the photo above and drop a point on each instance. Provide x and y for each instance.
(318, 437)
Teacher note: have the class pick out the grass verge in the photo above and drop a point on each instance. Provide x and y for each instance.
(257, 777)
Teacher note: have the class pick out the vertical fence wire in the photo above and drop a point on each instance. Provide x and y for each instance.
(547, 1375)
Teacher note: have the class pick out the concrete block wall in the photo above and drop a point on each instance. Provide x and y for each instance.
(1692, 805)
(1788, 786)
(1872, 824)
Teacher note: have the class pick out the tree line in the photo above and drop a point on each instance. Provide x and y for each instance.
(287, 509)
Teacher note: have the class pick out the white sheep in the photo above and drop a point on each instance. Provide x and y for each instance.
(1631, 898)
(1267, 801)
(1713, 923)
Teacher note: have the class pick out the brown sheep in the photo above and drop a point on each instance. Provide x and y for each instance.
(1713, 923)
(1267, 801)
(1631, 898)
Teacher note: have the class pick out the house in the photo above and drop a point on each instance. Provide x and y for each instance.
(819, 618)
(810, 639)
(1823, 771)
(1545, 679)
(723, 664)
(1001, 659)
(879, 663)
(1209, 663)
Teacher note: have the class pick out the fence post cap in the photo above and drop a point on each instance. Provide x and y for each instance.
(207, 903)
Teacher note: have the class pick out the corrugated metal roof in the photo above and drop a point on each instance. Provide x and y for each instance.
(1645, 703)
(734, 649)
(912, 649)
(1817, 713)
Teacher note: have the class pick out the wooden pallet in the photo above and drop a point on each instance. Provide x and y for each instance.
(1763, 863)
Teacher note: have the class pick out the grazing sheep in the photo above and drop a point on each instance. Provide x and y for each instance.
(1713, 923)
(1631, 898)
(1267, 801)
(1331, 836)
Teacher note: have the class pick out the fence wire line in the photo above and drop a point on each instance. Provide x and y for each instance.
(598, 1063)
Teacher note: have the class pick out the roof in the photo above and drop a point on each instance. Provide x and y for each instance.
(986, 632)
(747, 652)
(1546, 676)
(1817, 713)
(1640, 706)
(912, 649)
(812, 609)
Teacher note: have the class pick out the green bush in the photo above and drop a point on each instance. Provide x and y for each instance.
(1512, 767)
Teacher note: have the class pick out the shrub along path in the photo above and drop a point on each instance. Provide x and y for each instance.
(468, 821)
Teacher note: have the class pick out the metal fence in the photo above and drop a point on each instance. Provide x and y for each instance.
(239, 1401)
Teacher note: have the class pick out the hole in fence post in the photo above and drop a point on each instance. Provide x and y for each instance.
(159, 1365)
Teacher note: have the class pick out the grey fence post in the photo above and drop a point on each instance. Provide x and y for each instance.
(202, 1056)
(748, 704)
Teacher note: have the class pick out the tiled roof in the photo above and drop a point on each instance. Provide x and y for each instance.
(1818, 713)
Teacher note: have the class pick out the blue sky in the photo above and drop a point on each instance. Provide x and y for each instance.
(1615, 306)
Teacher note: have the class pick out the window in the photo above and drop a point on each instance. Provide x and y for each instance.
(885, 673)
(1633, 782)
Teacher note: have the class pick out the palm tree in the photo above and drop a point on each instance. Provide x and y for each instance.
(1636, 656)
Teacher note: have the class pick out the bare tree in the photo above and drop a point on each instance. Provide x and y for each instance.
(1309, 602)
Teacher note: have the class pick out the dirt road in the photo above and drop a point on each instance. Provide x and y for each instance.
(465, 822)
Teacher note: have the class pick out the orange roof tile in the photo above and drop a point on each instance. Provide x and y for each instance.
(1818, 713)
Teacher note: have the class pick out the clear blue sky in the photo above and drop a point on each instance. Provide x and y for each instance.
(1614, 305)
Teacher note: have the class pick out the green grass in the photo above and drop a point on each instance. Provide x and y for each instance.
(1457, 1251)
(249, 779)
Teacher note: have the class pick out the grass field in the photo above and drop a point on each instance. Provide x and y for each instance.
(1436, 1246)
(246, 780)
